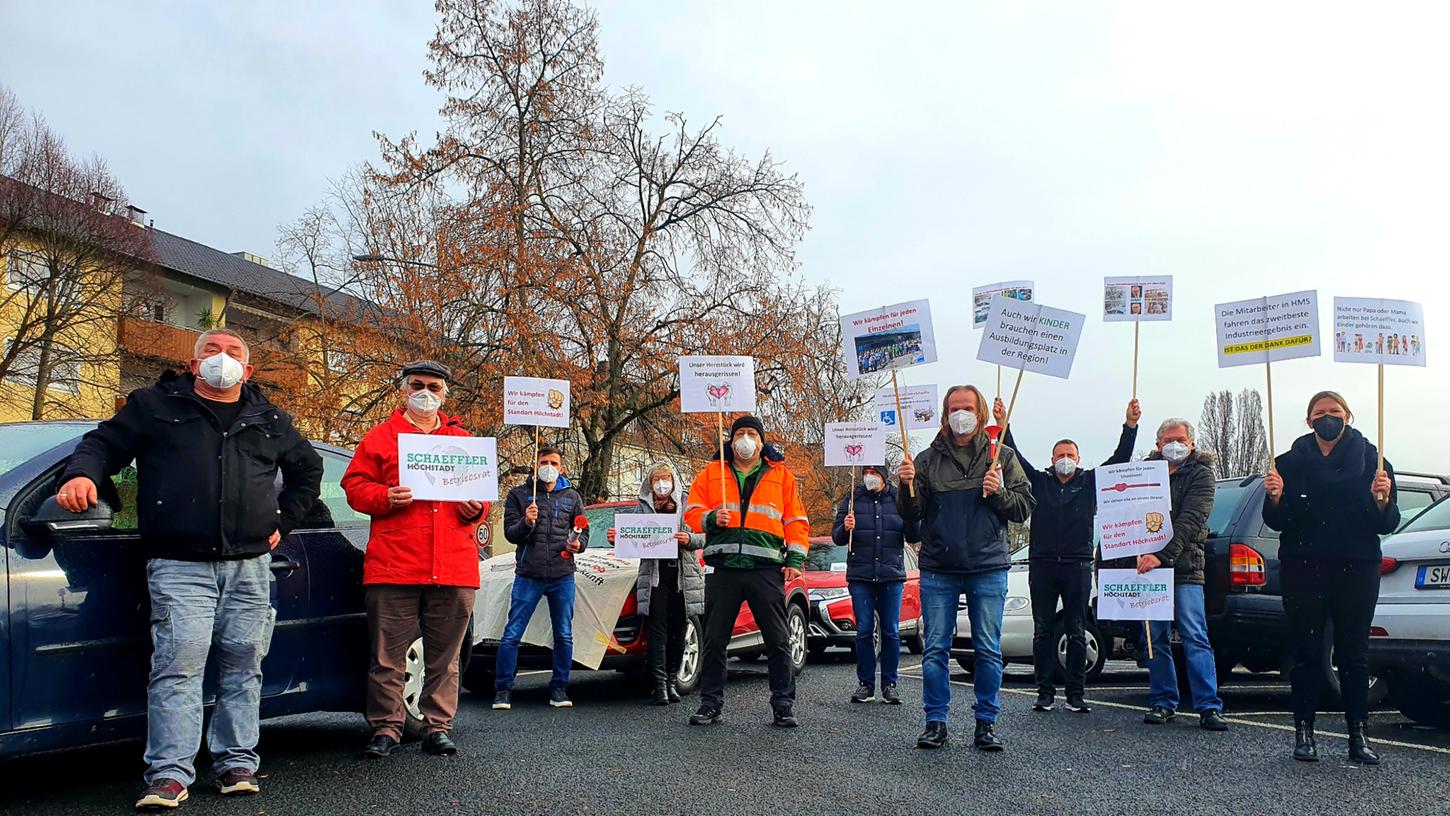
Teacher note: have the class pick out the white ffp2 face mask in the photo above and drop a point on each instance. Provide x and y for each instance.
(744, 447)
(1175, 452)
(425, 402)
(873, 482)
(663, 488)
(220, 371)
(1065, 466)
(548, 474)
(962, 423)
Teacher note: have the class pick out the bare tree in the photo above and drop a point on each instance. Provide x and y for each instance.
(1251, 446)
(1232, 428)
(1216, 428)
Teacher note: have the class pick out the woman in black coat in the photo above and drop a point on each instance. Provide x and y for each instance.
(1331, 500)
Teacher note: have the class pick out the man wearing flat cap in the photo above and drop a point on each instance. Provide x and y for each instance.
(420, 572)
(756, 538)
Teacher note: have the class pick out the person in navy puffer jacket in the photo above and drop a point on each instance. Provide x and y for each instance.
(867, 522)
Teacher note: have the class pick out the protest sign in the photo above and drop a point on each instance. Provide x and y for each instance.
(1374, 330)
(717, 384)
(920, 407)
(646, 535)
(1268, 329)
(448, 468)
(891, 337)
(982, 298)
(853, 444)
(1144, 297)
(535, 401)
(601, 583)
(1031, 337)
(1134, 508)
(1123, 594)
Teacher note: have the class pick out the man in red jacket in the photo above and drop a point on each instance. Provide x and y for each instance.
(420, 572)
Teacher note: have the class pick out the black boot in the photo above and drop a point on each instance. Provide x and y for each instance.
(1359, 747)
(935, 735)
(661, 694)
(1304, 749)
(986, 738)
(672, 689)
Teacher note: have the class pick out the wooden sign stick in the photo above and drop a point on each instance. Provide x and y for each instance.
(1007, 420)
(1136, 324)
(1380, 439)
(1269, 379)
(720, 425)
(535, 469)
(851, 536)
(901, 422)
(1148, 630)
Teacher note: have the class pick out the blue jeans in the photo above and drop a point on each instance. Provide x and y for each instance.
(522, 602)
(1188, 613)
(869, 600)
(986, 595)
(195, 604)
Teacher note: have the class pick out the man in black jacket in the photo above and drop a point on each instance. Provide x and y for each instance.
(539, 518)
(207, 448)
(1060, 561)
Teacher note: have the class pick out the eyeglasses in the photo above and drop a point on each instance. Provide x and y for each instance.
(419, 385)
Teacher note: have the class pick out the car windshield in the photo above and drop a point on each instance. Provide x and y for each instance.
(1435, 517)
(822, 555)
(23, 440)
(1226, 503)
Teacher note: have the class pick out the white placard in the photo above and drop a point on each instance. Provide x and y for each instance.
(852, 444)
(448, 468)
(982, 298)
(535, 401)
(1031, 337)
(646, 535)
(717, 384)
(895, 336)
(1135, 509)
(1268, 329)
(1145, 297)
(918, 402)
(1374, 330)
(1123, 594)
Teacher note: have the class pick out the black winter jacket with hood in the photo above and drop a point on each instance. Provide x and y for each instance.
(1192, 490)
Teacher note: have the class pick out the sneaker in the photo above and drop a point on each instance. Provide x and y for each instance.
(1078, 705)
(502, 700)
(864, 694)
(1045, 702)
(783, 717)
(889, 695)
(1158, 715)
(707, 715)
(559, 698)
(1212, 720)
(237, 780)
(163, 794)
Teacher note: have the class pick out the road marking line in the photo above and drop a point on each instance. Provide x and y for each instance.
(1234, 719)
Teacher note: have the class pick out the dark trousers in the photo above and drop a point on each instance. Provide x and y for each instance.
(666, 625)
(1320, 591)
(1072, 582)
(398, 615)
(764, 590)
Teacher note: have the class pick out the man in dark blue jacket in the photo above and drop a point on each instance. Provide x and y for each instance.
(868, 524)
(538, 519)
(1061, 556)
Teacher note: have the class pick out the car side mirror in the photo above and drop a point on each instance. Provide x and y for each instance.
(52, 520)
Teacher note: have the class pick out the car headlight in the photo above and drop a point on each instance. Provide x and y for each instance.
(1016, 606)
(829, 593)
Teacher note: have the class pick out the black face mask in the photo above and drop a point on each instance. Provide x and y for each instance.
(1329, 427)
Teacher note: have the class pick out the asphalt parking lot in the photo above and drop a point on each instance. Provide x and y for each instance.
(615, 754)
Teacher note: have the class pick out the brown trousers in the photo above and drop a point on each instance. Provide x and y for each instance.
(398, 615)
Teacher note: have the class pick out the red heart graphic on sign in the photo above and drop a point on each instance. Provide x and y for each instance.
(854, 450)
(719, 391)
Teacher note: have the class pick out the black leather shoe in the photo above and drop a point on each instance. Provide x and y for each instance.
(1359, 748)
(935, 735)
(1212, 720)
(986, 738)
(672, 690)
(381, 746)
(1304, 749)
(707, 715)
(784, 718)
(439, 744)
(1158, 715)
(661, 697)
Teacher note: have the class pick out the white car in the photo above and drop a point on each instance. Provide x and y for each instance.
(1017, 629)
(1409, 641)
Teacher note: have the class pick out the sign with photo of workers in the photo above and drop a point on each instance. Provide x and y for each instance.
(1144, 297)
(982, 298)
(448, 468)
(891, 337)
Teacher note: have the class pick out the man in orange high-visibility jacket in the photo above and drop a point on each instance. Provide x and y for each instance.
(756, 539)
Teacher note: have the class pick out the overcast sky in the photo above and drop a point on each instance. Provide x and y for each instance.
(1244, 148)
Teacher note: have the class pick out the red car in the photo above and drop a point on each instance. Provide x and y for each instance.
(629, 646)
(833, 621)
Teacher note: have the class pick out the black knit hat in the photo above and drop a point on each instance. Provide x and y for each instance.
(748, 421)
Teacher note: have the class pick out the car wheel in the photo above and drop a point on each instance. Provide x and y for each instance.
(691, 663)
(1098, 652)
(795, 629)
(414, 726)
(1333, 696)
(1420, 698)
(916, 643)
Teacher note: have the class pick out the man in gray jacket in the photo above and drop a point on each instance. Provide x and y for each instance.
(669, 591)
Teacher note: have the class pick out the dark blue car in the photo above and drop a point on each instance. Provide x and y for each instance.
(75, 643)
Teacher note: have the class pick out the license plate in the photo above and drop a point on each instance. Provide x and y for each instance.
(1433, 576)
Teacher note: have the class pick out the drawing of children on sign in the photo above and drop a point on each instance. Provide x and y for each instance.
(1379, 345)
